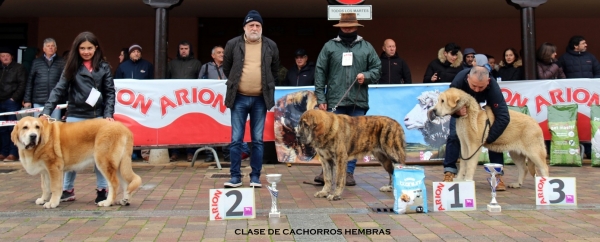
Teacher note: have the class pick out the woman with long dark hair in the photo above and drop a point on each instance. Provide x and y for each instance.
(86, 76)
(546, 63)
(511, 66)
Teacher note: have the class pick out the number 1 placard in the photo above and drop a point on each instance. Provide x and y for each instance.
(237, 203)
(555, 191)
(454, 196)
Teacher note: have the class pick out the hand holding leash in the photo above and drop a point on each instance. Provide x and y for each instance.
(323, 106)
(360, 78)
(110, 119)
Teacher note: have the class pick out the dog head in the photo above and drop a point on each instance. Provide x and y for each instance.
(27, 134)
(313, 123)
(448, 103)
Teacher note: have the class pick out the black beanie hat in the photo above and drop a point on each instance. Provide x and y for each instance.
(253, 15)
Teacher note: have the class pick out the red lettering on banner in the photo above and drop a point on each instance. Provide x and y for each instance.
(438, 197)
(514, 99)
(220, 102)
(206, 93)
(215, 204)
(181, 96)
(555, 95)
(165, 102)
(540, 190)
(194, 97)
(539, 101)
(128, 98)
(580, 96)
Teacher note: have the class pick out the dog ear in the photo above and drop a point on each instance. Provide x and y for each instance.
(14, 135)
(452, 100)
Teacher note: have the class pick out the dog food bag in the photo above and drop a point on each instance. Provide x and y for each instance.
(564, 147)
(595, 119)
(484, 156)
(410, 192)
(523, 110)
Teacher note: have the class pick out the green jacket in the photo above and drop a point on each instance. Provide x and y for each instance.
(332, 79)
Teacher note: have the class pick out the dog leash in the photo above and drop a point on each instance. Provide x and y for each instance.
(346, 93)
(487, 124)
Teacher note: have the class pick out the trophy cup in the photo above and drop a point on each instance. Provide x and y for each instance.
(273, 179)
(493, 169)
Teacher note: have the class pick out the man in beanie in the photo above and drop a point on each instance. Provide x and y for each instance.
(346, 62)
(135, 67)
(251, 63)
(302, 73)
(477, 82)
(13, 78)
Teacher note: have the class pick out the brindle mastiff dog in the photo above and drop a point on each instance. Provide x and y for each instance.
(338, 138)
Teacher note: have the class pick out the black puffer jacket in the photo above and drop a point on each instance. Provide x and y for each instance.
(511, 72)
(303, 77)
(493, 98)
(579, 64)
(394, 70)
(42, 79)
(233, 64)
(183, 68)
(446, 70)
(79, 89)
(13, 79)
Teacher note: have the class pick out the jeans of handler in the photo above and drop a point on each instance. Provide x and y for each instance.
(7, 146)
(453, 151)
(69, 180)
(352, 111)
(255, 107)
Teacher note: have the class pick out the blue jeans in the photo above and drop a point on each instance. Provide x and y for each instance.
(453, 151)
(69, 180)
(257, 109)
(55, 114)
(350, 111)
(8, 147)
(227, 149)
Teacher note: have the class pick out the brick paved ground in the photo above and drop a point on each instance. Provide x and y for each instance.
(172, 205)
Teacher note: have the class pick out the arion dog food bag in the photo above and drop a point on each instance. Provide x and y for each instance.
(410, 192)
(564, 147)
(595, 119)
(523, 110)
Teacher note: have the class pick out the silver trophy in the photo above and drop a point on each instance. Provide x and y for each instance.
(274, 179)
(493, 169)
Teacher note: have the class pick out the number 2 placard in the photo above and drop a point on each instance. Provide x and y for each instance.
(555, 191)
(454, 196)
(235, 203)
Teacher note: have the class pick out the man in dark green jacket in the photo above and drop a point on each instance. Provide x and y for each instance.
(346, 62)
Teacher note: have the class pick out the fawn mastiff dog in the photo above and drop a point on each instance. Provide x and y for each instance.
(522, 138)
(51, 148)
(338, 138)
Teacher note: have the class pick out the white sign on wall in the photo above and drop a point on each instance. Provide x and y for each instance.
(363, 12)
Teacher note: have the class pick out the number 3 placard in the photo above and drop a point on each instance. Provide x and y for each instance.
(235, 203)
(454, 196)
(555, 191)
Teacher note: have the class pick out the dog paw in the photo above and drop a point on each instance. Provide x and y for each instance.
(40, 201)
(321, 194)
(50, 205)
(334, 197)
(104, 203)
(124, 202)
(514, 185)
(386, 189)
